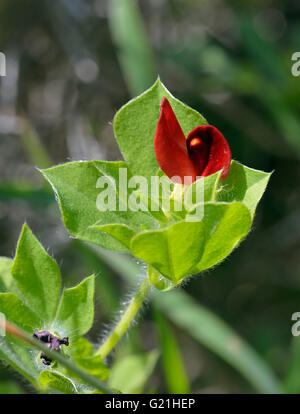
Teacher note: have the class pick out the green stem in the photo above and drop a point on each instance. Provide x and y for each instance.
(125, 320)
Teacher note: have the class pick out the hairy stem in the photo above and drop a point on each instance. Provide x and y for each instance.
(125, 320)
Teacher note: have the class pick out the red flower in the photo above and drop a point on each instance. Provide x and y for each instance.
(204, 152)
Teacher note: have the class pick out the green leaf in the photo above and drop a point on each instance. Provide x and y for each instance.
(173, 251)
(55, 382)
(135, 124)
(130, 374)
(121, 180)
(13, 350)
(6, 279)
(244, 184)
(94, 365)
(120, 232)
(17, 312)
(79, 347)
(154, 207)
(36, 275)
(173, 366)
(226, 224)
(75, 314)
(205, 187)
(75, 185)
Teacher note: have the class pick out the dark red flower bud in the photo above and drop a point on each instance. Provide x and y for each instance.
(204, 152)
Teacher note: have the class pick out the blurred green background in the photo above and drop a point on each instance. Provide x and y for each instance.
(70, 65)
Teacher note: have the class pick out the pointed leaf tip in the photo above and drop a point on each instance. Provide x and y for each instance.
(75, 314)
(37, 275)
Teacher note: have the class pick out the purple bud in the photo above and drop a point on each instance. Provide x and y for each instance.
(53, 341)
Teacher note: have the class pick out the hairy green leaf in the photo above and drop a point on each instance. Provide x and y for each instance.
(75, 314)
(226, 224)
(120, 232)
(17, 312)
(36, 275)
(55, 382)
(173, 251)
(75, 186)
(78, 191)
(244, 184)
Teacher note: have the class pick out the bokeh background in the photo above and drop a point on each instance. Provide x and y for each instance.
(70, 65)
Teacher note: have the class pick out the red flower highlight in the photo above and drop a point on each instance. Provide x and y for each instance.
(204, 152)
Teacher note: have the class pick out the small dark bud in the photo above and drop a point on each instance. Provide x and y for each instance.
(45, 359)
(53, 341)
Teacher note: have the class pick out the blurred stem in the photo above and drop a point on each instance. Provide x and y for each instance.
(126, 319)
(35, 148)
(131, 41)
(172, 362)
(86, 377)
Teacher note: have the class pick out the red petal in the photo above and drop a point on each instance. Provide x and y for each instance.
(209, 151)
(170, 145)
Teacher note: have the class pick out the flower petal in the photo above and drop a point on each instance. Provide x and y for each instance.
(170, 145)
(209, 151)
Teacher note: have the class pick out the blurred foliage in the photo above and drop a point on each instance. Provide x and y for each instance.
(70, 66)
